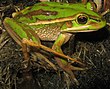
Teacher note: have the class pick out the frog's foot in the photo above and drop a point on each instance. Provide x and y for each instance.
(68, 68)
(26, 65)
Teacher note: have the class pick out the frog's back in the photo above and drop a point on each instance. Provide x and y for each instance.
(53, 10)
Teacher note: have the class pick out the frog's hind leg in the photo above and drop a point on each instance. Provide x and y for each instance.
(55, 52)
(41, 59)
(17, 38)
(45, 61)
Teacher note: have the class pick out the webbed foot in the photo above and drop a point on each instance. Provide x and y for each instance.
(69, 68)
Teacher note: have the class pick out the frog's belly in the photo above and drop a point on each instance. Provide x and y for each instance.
(48, 33)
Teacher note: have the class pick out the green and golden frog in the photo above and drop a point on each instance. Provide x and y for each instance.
(53, 21)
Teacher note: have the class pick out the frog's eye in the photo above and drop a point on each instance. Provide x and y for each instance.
(82, 19)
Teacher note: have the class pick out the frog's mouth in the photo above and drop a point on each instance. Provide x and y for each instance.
(89, 27)
(77, 29)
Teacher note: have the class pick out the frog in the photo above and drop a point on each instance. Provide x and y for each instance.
(55, 22)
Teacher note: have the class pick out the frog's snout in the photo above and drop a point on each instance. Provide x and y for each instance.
(102, 22)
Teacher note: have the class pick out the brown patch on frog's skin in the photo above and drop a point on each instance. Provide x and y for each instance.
(20, 14)
(41, 12)
(43, 5)
(94, 24)
(50, 21)
(69, 24)
(65, 19)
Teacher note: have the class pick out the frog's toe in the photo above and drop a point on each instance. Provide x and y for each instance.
(68, 68)
(70, 79)
(70, 75)
(76, 68)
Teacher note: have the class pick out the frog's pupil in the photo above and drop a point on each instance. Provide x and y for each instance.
(82, 19)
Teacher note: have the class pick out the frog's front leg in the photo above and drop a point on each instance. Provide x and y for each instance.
(67, 67)
(62, 39)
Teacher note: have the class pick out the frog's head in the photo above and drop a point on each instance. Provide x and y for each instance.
(84, 21)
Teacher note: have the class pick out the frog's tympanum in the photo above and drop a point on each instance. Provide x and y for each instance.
(52, 21)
